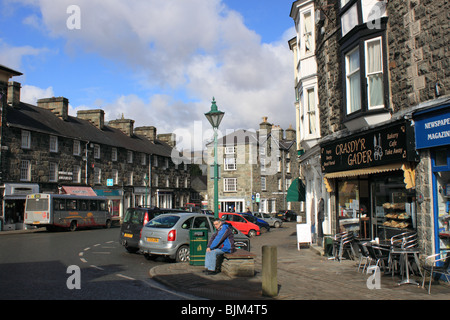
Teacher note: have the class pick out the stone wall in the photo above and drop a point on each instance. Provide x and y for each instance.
(418, 57)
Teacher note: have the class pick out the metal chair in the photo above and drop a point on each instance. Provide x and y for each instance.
(363, 255)
(433, 267)
(379, 255)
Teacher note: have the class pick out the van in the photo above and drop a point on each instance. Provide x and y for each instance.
(133, 222)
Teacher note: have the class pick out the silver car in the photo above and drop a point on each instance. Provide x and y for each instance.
(168, 235)
(272, 221)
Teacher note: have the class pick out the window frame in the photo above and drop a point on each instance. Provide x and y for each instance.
(229, 184)
(25, 136)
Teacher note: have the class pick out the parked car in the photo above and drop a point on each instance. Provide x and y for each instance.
(263, 225)
(287, 215)
(133, 222)
(272, 221)
(239, 222)
(206, 211)
(168, 235)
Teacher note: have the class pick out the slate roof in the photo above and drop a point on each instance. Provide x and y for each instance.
(32, 118)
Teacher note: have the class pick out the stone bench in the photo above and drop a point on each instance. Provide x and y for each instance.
(240, 263)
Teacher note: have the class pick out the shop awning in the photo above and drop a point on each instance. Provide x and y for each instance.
(408, 171)
(361, 172)
(296, 191)
(79, 191)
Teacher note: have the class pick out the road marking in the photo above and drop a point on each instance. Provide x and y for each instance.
(80, 254)
(101, 252)
(83, 260)
(86, 249)
(95, 267)
(96, 245)
(125, 277)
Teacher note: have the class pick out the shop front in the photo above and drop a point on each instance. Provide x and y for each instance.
(432, 129)
(115, 202)
(370, 177)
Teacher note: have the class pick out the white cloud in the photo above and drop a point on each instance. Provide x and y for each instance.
(195, 49)
(31, 94)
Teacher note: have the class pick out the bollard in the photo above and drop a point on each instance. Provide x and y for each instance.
(269, 271)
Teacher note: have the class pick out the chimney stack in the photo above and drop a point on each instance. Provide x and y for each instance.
(96, 117)
(290, 133)
(169, 138)
(59, 106)
(124, 125)
(265, 126)
(13, 97)
(147, 132)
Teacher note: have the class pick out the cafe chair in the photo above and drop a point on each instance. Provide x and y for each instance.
(379, 255)
(363, 255)
(436, 264)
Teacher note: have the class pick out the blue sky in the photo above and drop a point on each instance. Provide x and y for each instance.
(158, 62)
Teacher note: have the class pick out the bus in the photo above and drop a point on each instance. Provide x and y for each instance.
(55, 211)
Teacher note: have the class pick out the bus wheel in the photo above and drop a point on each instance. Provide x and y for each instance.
(73, 226)
(108, 224)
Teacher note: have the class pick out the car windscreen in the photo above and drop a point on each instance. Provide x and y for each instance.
(134, 216)
(163, 221)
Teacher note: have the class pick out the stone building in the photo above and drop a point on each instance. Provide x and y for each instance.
(383, 70)
(44, 149)
(256, 170)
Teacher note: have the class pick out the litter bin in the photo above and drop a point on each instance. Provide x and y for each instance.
(328, 245)
(198, 239)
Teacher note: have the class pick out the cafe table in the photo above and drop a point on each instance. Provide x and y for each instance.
(404, 254)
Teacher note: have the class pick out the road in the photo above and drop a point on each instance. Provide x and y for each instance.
(36, 266)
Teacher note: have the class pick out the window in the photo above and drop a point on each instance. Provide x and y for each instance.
(263, 183)
(97, 175)
(263, 164)
(76, 174)
(53, 144)
(229, 163)
(353, 81)
(114, 154)
(96, 151)
(26, 139)
(311, 107)
(308, 32)
(143, 159)
(230, 184)
(230, 150)
(76, 148)
(25, 170)
(115, 176)
(53, 172)
(374, 73)
(130, 156)
(155, 161)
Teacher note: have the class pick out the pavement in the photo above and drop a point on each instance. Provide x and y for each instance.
(304, 274)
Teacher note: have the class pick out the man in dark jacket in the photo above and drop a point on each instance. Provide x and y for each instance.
(222, 241)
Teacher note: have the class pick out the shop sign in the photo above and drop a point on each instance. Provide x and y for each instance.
(433, 128)
(389, 144)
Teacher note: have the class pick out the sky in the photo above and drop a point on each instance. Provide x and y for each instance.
(158, 62)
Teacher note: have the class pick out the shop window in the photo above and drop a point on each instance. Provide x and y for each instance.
(393, 206)
(353, 205)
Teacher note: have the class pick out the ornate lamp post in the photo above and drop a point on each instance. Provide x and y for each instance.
(214, 117)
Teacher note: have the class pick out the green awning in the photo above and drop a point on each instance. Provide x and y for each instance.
(296, 191)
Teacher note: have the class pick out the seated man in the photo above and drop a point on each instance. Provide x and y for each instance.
(222, 241)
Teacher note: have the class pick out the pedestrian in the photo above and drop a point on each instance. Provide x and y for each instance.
(320, 218)
(222, 241)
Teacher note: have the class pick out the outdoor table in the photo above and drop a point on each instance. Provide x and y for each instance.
(404, 254)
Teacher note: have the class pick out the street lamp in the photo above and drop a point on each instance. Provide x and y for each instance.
(215, 117)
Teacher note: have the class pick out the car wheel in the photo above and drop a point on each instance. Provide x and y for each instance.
(252, 233)
(182, 254)
(276, 224)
